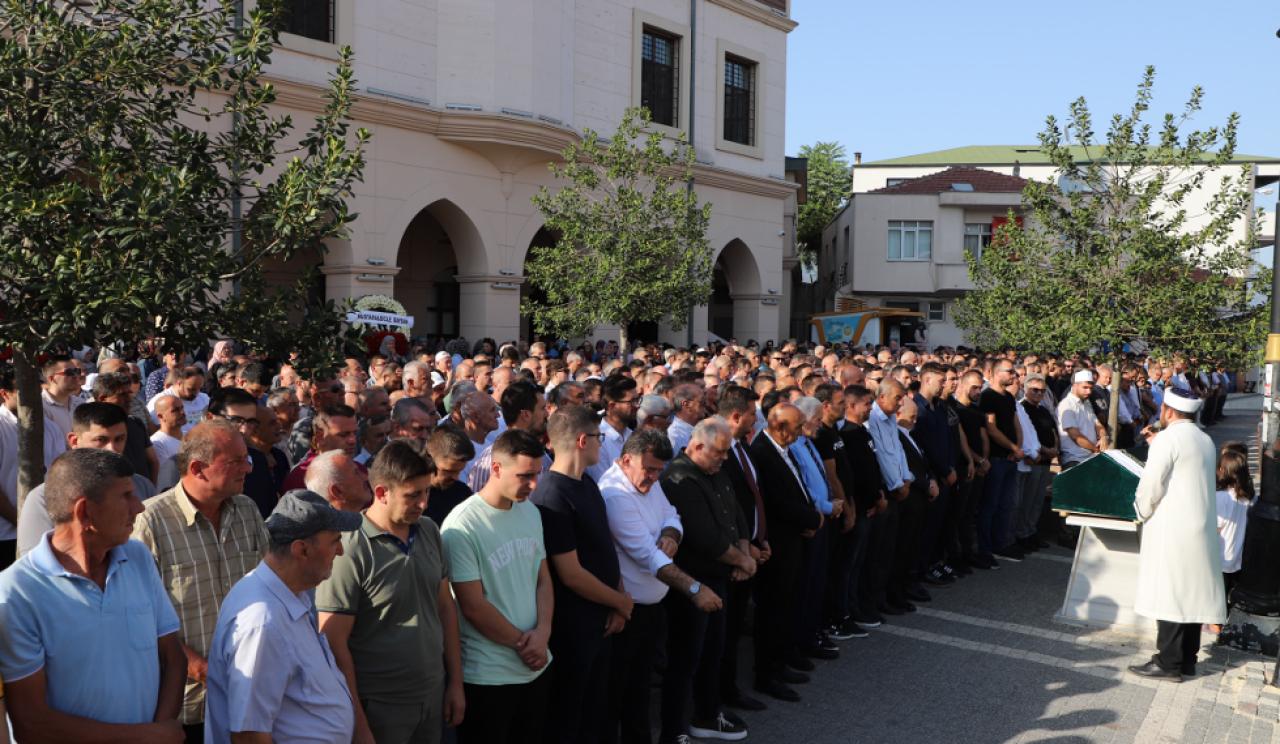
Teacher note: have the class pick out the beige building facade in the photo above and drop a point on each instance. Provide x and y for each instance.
(468, 101)
(943, 204)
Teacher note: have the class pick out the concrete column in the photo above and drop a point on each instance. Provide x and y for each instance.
(755, 317)
(357, 280)
(489, 306)
(785, 301)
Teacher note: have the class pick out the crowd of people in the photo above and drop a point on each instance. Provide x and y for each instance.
(512, 543)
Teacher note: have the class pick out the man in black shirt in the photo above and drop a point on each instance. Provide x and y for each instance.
(451, 450)
(843, 540)
(869, 501)
(1000, 494)
(714, 550)
(590, 603)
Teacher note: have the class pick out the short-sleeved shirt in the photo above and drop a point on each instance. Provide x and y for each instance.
(441, 501)
(198, 566)
(1074, 413)
(391, 589)
(574, 518)
(503, 550)
(98, 647)
(270, 670)
(831, 447)
(1004, 407)
(972, 422)
(34, 520)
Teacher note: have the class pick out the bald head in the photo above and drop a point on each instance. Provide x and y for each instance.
(785, 422)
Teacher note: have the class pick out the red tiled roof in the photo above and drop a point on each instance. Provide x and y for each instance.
(983, 182)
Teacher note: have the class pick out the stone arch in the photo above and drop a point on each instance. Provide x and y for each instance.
(736, 289)
(437, 245)
(471, 239)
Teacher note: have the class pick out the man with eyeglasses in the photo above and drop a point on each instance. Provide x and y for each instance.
(999, 494)
(205, 535)
(1036, 480)
(239, 408)
(61, 384)
(621, 398)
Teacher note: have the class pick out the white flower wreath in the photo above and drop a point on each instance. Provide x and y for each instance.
(382, 303)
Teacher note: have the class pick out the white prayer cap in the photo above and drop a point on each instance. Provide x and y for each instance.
(1083, 375)
(1181, 399)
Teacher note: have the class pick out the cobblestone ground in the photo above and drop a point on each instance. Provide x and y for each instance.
(986, 662)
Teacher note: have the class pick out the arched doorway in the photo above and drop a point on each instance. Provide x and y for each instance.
(436, 247)
(735, 293)
(544, 238)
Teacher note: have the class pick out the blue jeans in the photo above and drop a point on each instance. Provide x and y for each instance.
(998, 498)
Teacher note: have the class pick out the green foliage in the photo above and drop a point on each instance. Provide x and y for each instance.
(1117, 256)
(631, 239)
(119, 160)
(828, 187)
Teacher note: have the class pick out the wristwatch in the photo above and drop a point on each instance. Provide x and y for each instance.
(695, 587)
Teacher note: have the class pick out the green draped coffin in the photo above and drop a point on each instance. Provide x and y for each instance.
(1102, 486)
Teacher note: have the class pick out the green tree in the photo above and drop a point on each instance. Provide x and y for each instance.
(631, 237)
(128, 128)
(1110, 253)
(828, 187)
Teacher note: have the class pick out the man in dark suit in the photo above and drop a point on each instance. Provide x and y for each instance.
(792, 518)
(737, 405)
(903, 585)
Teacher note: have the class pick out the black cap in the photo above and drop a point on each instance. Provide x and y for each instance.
(301, 513)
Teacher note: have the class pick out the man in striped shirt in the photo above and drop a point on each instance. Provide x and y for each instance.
(205, 535)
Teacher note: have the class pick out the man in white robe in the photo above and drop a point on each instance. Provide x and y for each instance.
(1180, 560)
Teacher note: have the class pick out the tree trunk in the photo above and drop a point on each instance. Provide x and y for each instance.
(26, 381)
(622, 342)
(1113, 409)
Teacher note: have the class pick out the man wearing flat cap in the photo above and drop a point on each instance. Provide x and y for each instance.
(272, 676)
(1180, 559)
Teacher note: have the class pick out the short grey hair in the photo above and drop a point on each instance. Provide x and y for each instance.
(652, 405)
(80, 473)
(808, 405)
(415, 370)
(710, 429)
(280, 396)
(324, 471)
(1036, 377)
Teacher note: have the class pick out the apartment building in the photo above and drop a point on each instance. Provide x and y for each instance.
(468, 101)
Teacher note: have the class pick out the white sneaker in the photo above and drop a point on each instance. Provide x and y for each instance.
(718, 728)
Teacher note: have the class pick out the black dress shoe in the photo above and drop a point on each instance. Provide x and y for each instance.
(888, 609)
(1155, 671)
(792, 677)
(820, 653)
(800, 664)
(917, 594)
(740, 701)
(906, 606)
(777, 690)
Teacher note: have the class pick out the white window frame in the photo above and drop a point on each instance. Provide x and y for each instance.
(640, 20)
(984, 238)
(938, 306)
(913, 228)
(727, 48)
(344, 24)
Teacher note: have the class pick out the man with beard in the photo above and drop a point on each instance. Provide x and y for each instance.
(524, 408)
(621, 398)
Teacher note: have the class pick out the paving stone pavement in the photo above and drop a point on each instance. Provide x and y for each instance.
(985, 662)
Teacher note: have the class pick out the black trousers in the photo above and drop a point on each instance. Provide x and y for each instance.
(777, 591)
(813, 586)
(629, 672)
(735, 621)
(506, 714)
(906, 548)
(1176, 646)
(9, 554)
(848, 553)
(580, 684)
(194, 733)
(932, 549)
(695, 643)
(878, 564)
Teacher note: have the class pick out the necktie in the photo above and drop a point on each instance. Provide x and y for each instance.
(761, 532)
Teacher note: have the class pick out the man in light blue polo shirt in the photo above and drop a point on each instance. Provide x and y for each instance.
(88, 639)
(272, 676)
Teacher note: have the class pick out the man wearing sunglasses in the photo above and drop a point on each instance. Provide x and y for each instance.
(62, 381)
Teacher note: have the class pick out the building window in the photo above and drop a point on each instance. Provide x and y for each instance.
(910, 240)
(660, 76)
(739, 100)
(846, 240)
(937, 311)
(310, 19)
(977, 236)
(891, 182)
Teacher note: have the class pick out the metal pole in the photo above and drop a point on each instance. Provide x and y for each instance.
(235, 166)
(693, 94)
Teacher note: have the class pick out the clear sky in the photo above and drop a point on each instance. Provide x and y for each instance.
(899, 77)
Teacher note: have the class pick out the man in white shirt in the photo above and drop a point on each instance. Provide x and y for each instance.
(62, 380)
(1082, 434)
(688, 409)
(187, 386)
(621, 398)
(8, 468)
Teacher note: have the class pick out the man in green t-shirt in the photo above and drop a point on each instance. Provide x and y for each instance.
(498, 561)
(389, 614)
